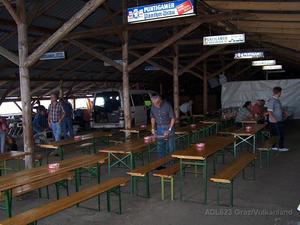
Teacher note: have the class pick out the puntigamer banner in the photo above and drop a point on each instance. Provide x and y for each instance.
(161, 11)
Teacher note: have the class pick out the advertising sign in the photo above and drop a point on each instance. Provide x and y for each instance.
(53, 55)
(161, 11)
(224, 39)
(248, 55)
(264, 63)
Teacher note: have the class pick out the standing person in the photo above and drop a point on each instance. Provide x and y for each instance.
(163, 118)
(55, 117)
(186, 108)
(67, 124)
(3, 130)
(276, 116)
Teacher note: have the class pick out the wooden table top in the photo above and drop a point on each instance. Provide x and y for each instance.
(242, 132)
(136, 129)
(27, 176)
(89, 136)
(212, 145)
(127, 147)
(250, 121)
(189, 129)
(12, 155)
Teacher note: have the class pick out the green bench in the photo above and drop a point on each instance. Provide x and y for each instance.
(226, 176)
(33, 215)
(167, 175)
(265, 149)
(143, 172)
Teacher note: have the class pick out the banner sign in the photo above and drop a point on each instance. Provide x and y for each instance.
(53, 55)
(274, 67)
(119, 61)
(161, 11)
(224, 39)
(151, 68)
(264, 63)
(248, 55)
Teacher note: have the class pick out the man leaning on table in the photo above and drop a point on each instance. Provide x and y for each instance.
(276, 116)
(163, 119)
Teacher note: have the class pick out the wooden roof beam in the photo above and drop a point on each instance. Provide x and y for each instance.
(164, 44)
(157, 24)
(96, 54)
(254, 5)
(11, 11)
(68, 26)
(201, 58)
(226, 67)
(9, 55)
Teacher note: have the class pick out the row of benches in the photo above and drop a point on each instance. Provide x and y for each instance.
(110, 186)
(223, 178)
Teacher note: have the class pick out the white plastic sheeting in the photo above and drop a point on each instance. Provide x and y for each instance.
(234, 94)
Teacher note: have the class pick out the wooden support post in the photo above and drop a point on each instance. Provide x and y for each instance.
(127, 110)
(161, 89)
(176, 82)
(205, 90)
(25, 85)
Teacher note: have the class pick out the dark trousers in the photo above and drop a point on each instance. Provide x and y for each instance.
(277, 129)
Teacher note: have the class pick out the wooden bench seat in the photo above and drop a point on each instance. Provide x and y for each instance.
(35, 214)
(265, 148)
(167, 175)
(227, 174)
(41, 184)
(144, 171)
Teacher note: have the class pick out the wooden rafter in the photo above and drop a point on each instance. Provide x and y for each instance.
(164, 44)
(68, 26)
(9, 55)
(254, 5)
(201, 58)
(226, 67)
(11, 11)
(96, 54)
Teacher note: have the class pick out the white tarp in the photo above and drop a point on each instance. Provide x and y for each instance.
(235, 94)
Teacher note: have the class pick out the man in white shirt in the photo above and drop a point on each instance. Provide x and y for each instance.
(186, 108)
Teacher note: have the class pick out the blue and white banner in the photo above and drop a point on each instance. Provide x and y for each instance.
(161, 11)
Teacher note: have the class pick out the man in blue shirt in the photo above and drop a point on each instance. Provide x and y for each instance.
(276, 116)
(39, 123)
(163, 118)
(67, 124)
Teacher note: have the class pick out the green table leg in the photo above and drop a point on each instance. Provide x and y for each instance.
(181, 178)
(61, 150)
(98, 172)
(108, 200)
(205, 180)
(8, 202)
(109, 164)
(147, 181)
(162, 183)
(172, 188)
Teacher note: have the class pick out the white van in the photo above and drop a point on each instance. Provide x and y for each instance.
(108, 108)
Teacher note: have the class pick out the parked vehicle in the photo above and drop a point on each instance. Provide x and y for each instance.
(108, 108)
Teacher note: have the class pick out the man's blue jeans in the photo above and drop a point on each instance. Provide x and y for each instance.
(2, 141)
(277, 129)
(56, 129)
(165, 146)
(67, 127)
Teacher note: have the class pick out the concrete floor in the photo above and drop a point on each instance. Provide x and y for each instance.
(276, 190)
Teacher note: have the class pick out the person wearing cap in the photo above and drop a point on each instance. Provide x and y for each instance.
(39, 123)
(162, 123)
